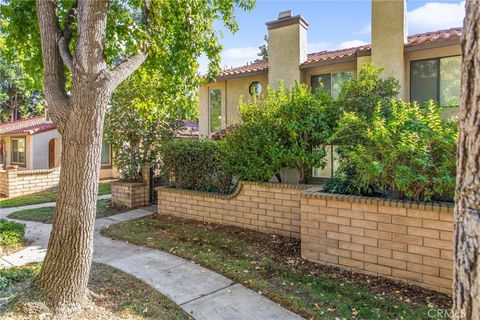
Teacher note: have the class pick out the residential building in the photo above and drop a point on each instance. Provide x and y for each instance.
(35, 144)
(427, 66)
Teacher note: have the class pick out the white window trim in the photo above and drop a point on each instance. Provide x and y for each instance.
(23, 164)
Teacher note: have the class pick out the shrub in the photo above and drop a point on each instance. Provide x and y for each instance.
(143, 114)
(196, 165)
(14, 275)
(285, 129)
(409, 154)
(365, 93)
(11, 233)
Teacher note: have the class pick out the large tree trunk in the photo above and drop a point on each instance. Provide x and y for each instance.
(79, 118)
(66, 268)
(467, 208)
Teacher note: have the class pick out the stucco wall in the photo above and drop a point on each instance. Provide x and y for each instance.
(40, 144)
(389, 37)
(231, 90)
(287, 47)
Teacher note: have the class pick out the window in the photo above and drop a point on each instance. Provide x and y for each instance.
(106, 156)
(215, 106)
(18, 151)
(332, 164)
(255, 88)
(436, 79)
(331, 82)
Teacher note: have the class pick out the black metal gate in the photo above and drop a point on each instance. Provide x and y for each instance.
(156, 180)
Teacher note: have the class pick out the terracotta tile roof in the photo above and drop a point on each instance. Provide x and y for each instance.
(248, 68)
(413, 40)
(337, 54)
(26, 126)
(440, 35)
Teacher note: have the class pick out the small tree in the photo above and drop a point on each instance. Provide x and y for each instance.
(283, 129)
(142, 116)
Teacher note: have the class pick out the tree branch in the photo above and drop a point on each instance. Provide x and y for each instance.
(125, 69)
(64, 41)
(54, 77)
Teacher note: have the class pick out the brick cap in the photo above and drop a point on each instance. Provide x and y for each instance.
(432, 206)
(128, 184)
(39, 171)
(236, 191)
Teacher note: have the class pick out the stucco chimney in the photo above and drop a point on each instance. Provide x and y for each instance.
(389, 36)
(287, 48)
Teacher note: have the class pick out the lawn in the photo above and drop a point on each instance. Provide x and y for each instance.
(117, 296)
(43, 197)
(45, 215)
(12, 237)
(272, 265)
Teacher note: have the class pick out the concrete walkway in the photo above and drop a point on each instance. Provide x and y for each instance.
(202, 293)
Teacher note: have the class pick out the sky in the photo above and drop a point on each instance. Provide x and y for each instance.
(332, 24)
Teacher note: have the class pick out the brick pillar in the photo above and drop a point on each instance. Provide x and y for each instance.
(12, 173)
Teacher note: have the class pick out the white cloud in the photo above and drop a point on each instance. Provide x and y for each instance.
(436, 15)
(366, 29)
(351, 44)
(319, 46)
(232, 57)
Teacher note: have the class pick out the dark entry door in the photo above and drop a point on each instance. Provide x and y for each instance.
(51, 154)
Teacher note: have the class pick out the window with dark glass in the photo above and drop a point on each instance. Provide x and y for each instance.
(106, 156)
(18, 150)
(436, 79)
(215, 108)
(331, 82)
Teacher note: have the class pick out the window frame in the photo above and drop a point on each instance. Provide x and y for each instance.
(109, 165)
(20, 164)
(210, 131)
(330, 74)
(438, 77)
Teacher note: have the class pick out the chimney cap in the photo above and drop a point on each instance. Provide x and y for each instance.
(284, 14)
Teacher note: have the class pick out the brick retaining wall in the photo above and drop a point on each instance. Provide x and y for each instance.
(16, 182)
(130, 194)
(403, 240)
(398, 239)
(265, 207)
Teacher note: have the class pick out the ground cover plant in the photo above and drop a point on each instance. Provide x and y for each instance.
(116, 295)
(45, 215)
(12, 236)
(44, 197)
(272, 266)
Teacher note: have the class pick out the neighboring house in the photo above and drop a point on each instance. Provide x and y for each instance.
(35, 144)
(427, 66)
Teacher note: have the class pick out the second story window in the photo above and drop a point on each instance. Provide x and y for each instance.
(436, 79)
(331, 82)
(215, 109)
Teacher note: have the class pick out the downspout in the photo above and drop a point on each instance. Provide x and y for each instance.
(226, 106)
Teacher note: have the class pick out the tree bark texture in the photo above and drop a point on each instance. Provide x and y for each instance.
(467, 198)
(79, 117)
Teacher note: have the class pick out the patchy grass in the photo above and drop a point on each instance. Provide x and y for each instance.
(12, 237)
(273, 266)
(45, 215)
(117, 296)
(43, 197)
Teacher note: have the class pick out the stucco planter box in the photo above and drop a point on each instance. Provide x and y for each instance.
(130, 194)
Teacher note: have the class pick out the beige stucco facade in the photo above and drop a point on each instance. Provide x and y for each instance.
(232, 90)
(288, 60)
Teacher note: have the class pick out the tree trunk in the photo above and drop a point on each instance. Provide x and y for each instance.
(467, 208)
(65, 271)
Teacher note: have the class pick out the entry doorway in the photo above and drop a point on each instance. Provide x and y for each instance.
(51, 153)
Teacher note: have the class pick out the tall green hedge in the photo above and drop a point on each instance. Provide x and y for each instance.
(196, 165)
